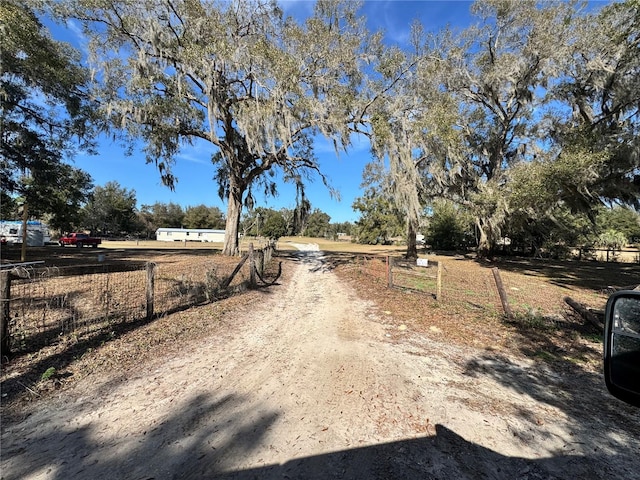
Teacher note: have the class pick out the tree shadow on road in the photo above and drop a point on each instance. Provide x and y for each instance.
(596, 421)
(205, 435)
(209, 438)
(590, 275)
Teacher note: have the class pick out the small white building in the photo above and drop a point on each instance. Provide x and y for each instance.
(189, 235)
(37, 232)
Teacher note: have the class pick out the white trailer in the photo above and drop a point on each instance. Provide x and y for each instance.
(189, 235)
(37, 232)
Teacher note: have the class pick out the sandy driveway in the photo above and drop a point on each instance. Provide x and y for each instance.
(314, 383)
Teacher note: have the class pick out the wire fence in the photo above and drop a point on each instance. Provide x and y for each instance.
(46, 304)
(473, 285)
(41, 305)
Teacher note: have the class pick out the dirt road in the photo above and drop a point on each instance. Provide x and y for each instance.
(312, 382)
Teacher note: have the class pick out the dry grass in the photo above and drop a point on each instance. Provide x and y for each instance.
(286, 243)
(470, 312)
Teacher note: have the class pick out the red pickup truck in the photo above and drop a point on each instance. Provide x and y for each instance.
(79, 240)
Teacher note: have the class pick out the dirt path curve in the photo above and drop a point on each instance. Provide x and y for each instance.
(314, 384)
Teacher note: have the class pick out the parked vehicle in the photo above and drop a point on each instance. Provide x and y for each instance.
(622, 346)
(79, 240)
(37, 232)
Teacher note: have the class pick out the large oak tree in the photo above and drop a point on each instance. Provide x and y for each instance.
(239, 75)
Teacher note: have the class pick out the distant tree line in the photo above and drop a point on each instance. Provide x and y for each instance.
(111, 211)
(270, 223)
(446, 225)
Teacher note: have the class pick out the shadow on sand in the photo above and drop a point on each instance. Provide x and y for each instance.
(209, 438)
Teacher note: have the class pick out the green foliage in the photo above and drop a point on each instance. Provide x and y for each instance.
(274, 226)
(317, 224)
(379, 219)
(111, 210)
(45, 114)
(380, 211)
(533, 319)
(202, 216)
(167, 215)
(620, 219)
(344, 228)
(152, 217)
(449, 227)
(238, 75)
(527, 120)
(600, 86)
(612, 240)
(266, 222)
(47, 374)
(551, 205)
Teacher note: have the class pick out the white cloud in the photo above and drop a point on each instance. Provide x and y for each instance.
(79, 40)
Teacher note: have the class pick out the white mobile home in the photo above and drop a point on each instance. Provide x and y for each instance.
(189, 235)
(37, 232)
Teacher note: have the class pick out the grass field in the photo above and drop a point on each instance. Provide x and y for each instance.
(284, 243)
(627, 255)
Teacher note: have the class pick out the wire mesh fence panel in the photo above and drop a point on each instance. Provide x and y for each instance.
(178, 286)
(47, 304)
(422, 278)
(530, 294)
(373, 267)
(475, 288)
(188, 281)
(471, 285)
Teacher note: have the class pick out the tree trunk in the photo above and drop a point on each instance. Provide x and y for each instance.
(234, 209)
(412, 248)
(484, 244)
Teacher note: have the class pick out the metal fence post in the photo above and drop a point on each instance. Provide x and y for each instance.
(5, 297)
(151, 280)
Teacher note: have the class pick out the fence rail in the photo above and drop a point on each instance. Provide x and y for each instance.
(39, 305)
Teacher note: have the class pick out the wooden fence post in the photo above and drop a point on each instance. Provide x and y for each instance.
(151, 280)
(389, 272)
(5, 297)
(261, 254)
(502, 292)
(268, 252)
(439, 281)
(252, 267)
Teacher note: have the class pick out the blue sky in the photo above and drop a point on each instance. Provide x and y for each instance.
(193, 168)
